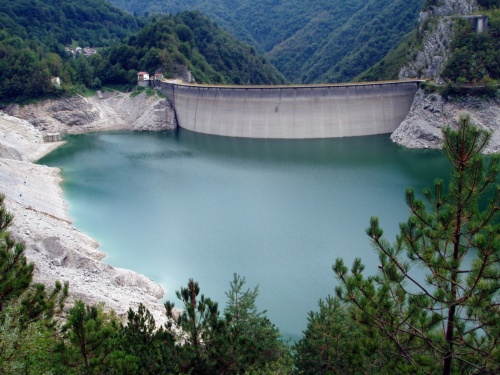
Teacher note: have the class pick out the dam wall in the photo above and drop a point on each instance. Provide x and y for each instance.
(312, 111)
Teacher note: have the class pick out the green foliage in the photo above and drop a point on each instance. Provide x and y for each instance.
(22, 73)
(30, 54)
(190, 40)
(32, 39)
(334, 342)
(26, 310)
(51, 22)
(315, 41)
(475, 56)
(90, 342)
(489, 4)
(356, 45)
(242, 341)
(331, 341)
(24, 349)
(16, 276)
(253, 342)
(197, 328)
(388, 68)
(447, 319)
(153, 348)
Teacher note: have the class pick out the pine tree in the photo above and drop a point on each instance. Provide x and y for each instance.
(90, 343)
(153, 346)
(16, 276)
(196, 328)
(330, 344)
(437, 293)
(26, 309)
(252, 340)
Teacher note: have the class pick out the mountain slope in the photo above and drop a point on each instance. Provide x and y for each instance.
(33, 36)
(357, 44)
(190, 40)
(319, 41)
(89, 22)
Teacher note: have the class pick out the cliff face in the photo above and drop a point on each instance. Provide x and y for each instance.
(428, 58)
(452, 7)
(430, 112)
(103, 112)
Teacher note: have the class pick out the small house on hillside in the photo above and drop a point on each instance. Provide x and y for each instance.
(158, 76)
(87, 51)
(143, 76)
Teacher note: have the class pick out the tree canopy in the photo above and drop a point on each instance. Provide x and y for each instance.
(448, 318)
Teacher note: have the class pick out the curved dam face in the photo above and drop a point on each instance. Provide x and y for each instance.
(322, 111)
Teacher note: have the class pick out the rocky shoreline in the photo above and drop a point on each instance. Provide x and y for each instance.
(430, 112)
(61, 252)
(33, 194)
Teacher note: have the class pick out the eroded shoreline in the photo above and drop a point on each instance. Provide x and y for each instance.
(35, 197)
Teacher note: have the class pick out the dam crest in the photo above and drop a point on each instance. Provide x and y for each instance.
(292, 112)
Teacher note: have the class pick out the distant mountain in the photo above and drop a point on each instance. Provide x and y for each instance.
(89, 22)
(315, 41)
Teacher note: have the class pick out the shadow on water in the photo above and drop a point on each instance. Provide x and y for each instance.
(350, 152)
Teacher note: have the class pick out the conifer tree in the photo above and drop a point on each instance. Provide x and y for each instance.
(252, 340)
(331, 341)
(90, 343)
(26, 309)
(16, 276)
(196, 328)
(153, 346)
(437, 292)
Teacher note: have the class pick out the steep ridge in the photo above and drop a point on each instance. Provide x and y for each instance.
(459, 56)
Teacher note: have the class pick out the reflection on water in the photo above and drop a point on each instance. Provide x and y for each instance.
(186, 205)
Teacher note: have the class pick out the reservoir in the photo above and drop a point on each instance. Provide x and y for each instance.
(182, 205)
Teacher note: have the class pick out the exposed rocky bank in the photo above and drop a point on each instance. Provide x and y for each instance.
(430, 112)
(33, 195)
(105, 111)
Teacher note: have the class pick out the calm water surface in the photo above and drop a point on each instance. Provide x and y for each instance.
(279, 212)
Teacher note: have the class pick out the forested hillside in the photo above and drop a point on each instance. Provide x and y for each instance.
(467, 57)
(56, 22)
(34, 34)
(191, 40)
(320, 41)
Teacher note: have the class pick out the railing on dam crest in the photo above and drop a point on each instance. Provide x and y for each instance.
(304, 111)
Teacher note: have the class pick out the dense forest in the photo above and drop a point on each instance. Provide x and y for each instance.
(32, 51)
(191, 40)
(393, 322)
(54, 23)
(320, 41)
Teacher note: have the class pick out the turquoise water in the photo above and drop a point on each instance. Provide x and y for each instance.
(182, 205)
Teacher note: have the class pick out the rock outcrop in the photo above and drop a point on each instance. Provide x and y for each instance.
(430, 112)
(103, 112)
(429, 59)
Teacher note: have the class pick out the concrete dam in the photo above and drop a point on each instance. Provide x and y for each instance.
(300, 112)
